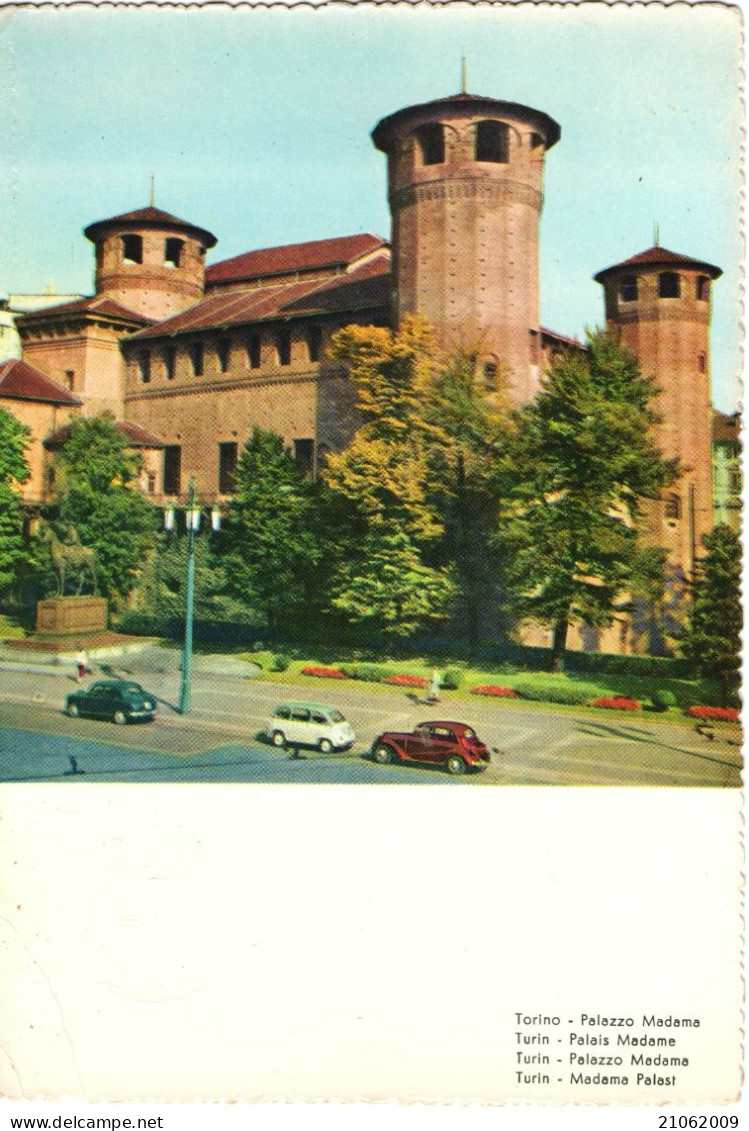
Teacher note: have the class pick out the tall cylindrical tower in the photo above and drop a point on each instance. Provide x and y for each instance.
(660, 304)
(151, 262)
(465, 178)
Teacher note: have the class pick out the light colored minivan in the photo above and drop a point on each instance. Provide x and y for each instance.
(309, 724)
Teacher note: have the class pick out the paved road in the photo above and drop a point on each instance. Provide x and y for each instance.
(218, 740)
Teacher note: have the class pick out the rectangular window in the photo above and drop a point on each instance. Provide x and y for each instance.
(314, 342)
(172, 469)
(151, 482)
(170, 360)
(132, 249)
(253, 351)
(227, 468)
(283, 346)
(223, 350)
(702, 291)
(196, 356)
(304, 456)
(144, 366)
(172, 252)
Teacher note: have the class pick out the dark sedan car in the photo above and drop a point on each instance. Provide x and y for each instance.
(455, 746)
(117, 699)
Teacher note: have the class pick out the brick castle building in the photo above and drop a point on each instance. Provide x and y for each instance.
(189, 358)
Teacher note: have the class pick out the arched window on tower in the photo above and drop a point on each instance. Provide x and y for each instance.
(144, 366)
(223, 353)
(669, 285)
(132, 249)
(431, 139)
(492, 142)
(172, 252)
(702, 289)
(628, 288)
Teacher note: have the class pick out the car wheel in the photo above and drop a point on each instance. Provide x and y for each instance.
(455, 764)
(383, 754)
(119, 717)
(72, 710)
(325, 745)
(278, 738)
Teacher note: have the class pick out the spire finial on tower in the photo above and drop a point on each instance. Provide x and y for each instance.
(657, 234)
(152, 194)
(463, 77)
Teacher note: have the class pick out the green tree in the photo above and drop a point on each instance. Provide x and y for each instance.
(580, 462)
(98, 497)
(388, 522)
(272, 541)
(713, 635)
(463, 487)
(14, 470)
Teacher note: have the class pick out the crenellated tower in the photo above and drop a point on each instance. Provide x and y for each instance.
(465, 186)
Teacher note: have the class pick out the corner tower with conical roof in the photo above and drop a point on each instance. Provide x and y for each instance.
(659, 302)
(465, 180)
(150, 261)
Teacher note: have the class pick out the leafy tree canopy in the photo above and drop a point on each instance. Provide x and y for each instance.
(97, 498)
(14, 470)
(272, 538)
(14, 437)
(713, 636)
(580, 462)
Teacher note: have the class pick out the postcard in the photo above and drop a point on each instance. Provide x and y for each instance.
(370, 567)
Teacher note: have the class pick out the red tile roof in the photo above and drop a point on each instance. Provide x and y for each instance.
(364, 288)
(149, 218)
(661, 256)
(136, 436)
(95, 304)
(382, 134)
(547, 333)
(19, 381)
(317, 254)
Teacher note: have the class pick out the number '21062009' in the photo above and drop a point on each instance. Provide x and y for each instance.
(679, 1121)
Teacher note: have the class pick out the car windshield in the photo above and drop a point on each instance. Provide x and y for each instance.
(335, 716)
(132, 689)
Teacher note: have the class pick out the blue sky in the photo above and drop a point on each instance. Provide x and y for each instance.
(256, 124)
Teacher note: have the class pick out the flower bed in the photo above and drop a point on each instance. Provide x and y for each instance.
(328, 673)
(616, 703)
(403, 679)
(726, 714)
(493, 689)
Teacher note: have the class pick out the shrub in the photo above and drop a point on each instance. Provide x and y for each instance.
(328, 673)
(662, 699)
(726, 714)
(616, 703)
(451, 679)
(405, 679)
(279, 662)
(493, 689)
(550, 690)
(367, 673)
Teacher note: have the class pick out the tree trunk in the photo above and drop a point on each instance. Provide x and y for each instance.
(559, 644)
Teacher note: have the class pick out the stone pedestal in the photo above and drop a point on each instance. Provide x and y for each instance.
(71, 616)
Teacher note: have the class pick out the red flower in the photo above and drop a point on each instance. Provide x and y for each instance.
(727, 714)
(493, 689)
(616, 703)
(403, 679)
(330, 673)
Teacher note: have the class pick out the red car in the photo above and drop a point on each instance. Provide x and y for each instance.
(455, 746)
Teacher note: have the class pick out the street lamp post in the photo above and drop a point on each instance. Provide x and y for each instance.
(192, 524)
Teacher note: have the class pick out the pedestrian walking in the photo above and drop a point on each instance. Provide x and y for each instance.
(82, 665)
(434, 687)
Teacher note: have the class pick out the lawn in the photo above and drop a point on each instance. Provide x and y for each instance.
(541, 686)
